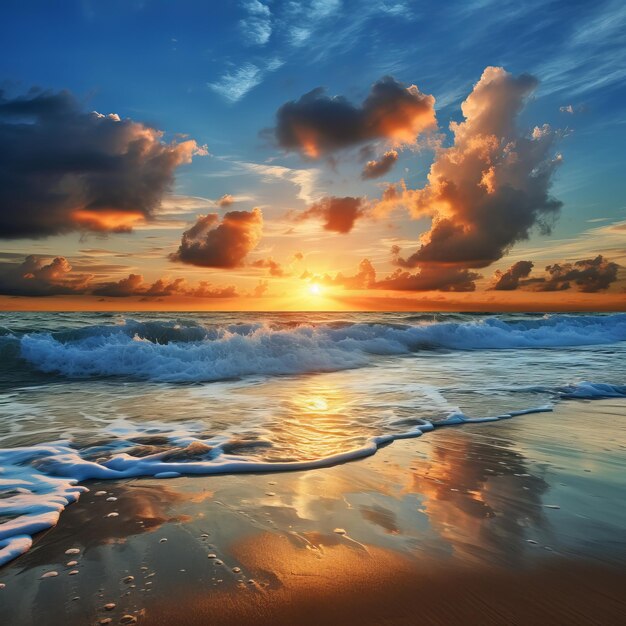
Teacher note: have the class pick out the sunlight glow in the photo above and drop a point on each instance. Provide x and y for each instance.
(315, 289)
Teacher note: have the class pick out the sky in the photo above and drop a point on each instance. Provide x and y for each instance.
(323, 155)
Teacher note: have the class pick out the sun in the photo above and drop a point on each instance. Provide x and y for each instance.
(315, 289)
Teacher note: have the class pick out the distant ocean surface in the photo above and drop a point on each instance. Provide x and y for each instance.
(105, 396)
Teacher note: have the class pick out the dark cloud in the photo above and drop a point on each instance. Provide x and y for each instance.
(225, 244)
(339, 214)
(63, 169)
(39, 277)
(430, 278)
(491, 187)
(376, 168)
(589, 275)
(510, 279)
(130, 286)
(317, 124)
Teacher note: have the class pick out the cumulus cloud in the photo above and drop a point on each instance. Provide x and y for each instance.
(376, 168)
(339, 214)
(316, 124)
(510, 279)
(427, 279)
(63, 169)
(214, 243)
(491, 187)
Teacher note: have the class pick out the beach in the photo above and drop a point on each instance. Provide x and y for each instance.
(515, 522)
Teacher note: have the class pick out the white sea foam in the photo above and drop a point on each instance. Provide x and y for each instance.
(167, 352)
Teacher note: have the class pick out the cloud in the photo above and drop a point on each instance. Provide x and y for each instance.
(317, 125)
(37, 277)
(260, 289)
(492, 186)
(275, 268)
(510, 279)
(225, 244)
(257, 26)
(225, 200)
(430, 278)
(304, 180)
(233, 86)
(339, 214)
(180, 287)
(588, 275)
(130, 286)
(374, 169)
(134, 285)
(62, 169)
(427, 279)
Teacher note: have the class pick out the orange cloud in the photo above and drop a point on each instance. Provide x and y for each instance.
(225, 244)
(491, 187)
(317, 125)
(339, 214)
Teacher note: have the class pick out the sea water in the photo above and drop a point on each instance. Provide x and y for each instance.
(109, 396)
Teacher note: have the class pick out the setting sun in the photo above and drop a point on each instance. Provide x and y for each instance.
(315, 289)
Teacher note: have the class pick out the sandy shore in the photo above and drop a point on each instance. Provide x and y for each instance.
(519, 522)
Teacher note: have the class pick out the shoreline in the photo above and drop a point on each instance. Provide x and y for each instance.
(517, 520)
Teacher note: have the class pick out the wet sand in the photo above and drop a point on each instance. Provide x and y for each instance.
(518, 522)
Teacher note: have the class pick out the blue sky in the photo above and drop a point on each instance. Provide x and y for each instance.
(219, 71)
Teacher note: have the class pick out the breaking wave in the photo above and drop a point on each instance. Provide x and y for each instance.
(192, 352)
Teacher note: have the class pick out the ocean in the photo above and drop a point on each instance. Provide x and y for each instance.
(109, 396)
